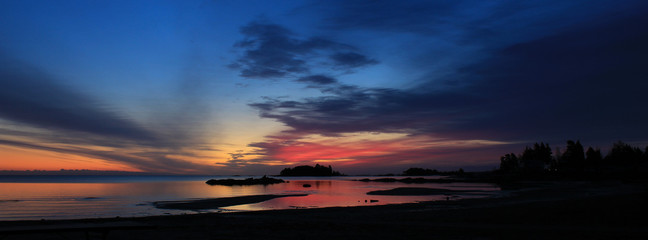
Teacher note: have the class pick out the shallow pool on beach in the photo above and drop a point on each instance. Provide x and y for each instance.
(65, 197)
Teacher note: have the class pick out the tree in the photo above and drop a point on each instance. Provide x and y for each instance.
(624, 156)
(573, 159)
(306, 170)
(535, 159)
(509, 163)
(419, 172)
(593, 159)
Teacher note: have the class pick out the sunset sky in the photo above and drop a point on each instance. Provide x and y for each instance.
(251, 87)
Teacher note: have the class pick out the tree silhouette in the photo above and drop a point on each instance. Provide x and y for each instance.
(535, 159)
(622, 162)
(419, 172)
(509, 163)
(593, 159)
(305, 170)
(624, 156)
(573, 159)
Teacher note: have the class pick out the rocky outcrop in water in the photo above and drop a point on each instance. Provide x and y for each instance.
(248, 181)
(305, 170)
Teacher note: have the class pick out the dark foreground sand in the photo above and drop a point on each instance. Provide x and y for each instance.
(218, 202)
(541, 211)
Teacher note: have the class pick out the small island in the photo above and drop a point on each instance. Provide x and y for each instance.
(305, 170)
(248, 181)
(415, 171)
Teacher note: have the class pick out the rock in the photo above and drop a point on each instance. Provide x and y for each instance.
(248, 181)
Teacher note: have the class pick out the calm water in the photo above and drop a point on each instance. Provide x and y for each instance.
(66, 197)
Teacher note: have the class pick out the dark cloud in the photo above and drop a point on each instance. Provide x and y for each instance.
(350, 60)
(317, 79)
(395, 16)
(587, 83)
(379, 110)
(271, 51)
(30, 97)
(466, 19)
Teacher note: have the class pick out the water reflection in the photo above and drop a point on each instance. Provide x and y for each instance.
(340, 193)
(119, 198)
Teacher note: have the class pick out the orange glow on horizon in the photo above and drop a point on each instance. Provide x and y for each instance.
(21, 160)
(368, 148)
(357, 149)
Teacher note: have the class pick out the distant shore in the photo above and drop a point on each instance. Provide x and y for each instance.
(538, 210)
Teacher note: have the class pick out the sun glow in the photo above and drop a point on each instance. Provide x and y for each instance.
(368, 147)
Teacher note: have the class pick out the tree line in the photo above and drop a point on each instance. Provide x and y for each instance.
(575, 160)
(305, 170)
(415, 171)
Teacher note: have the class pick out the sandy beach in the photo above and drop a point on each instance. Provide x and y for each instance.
(573, 210)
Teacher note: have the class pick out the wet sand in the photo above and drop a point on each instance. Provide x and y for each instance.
(215, 203)
(575, 210)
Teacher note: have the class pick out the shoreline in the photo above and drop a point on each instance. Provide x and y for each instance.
(215, 203)
(542, 210)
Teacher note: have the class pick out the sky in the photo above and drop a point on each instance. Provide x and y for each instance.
(369, 87)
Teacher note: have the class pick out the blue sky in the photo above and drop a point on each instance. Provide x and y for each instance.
(230, 87)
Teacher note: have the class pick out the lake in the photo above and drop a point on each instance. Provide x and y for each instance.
(72, 197)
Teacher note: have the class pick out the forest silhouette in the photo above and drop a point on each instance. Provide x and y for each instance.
(623, 160)
(305, 170)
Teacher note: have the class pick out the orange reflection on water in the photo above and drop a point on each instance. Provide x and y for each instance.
(142, 190)
(333, 193)
(64, 200)
(132, 197)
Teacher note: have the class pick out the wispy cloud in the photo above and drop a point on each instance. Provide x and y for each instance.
(271, 51)
(147, 161)
(317, 80)
(555, 87)
(584, 80)
(41, 114)
(30, 96)
(362, 151)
